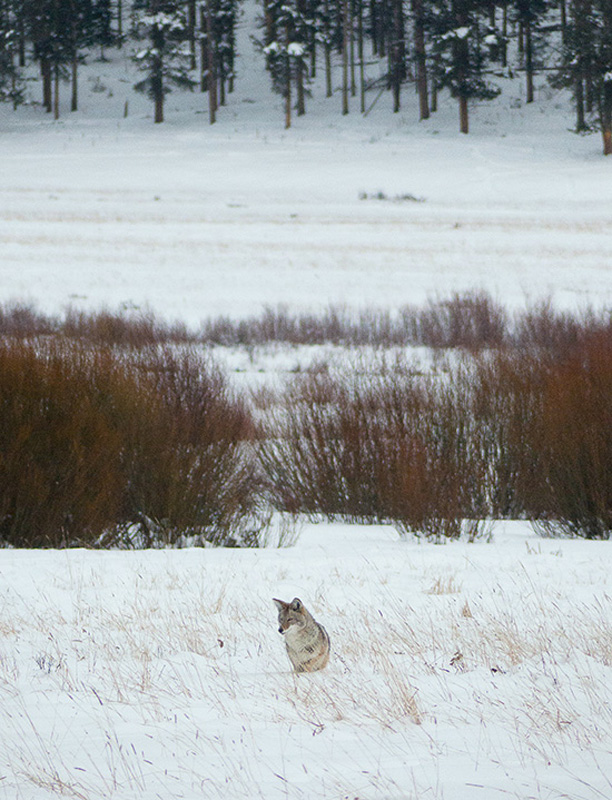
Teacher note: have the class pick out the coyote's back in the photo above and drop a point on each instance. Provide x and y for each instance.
(306, 640)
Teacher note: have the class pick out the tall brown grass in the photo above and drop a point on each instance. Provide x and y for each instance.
(503, 434)
(188, 459)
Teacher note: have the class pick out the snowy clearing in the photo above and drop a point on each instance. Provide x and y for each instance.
(458, 671)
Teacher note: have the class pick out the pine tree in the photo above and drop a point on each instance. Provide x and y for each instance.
(579, 55)
(587, 63)
(458, 54)
(291, 35)
(327, 31)
(162, 27)
(100, 25)
(11, 82)
(420, 57)
(55, 28)
(529, 14)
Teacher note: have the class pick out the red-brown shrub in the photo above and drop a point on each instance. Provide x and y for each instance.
(188, 461)
(472, 321)
(575, 441)
(100, 448)
(389, 446)
(59, 482)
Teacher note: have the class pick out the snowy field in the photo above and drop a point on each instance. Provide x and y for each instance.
(459, 671)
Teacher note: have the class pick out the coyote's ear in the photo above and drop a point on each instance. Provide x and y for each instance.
(279, 604)
(296, 604)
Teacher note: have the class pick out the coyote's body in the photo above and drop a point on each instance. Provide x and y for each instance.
(306, 640)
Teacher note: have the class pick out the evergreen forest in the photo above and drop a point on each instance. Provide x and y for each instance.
(465, 47)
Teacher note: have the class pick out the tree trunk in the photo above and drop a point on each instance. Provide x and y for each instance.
(590, 88)
(56, 81)
(157, 72)
(120, 22)
(563, 10)
(191, 27)
(221, 85)
(328, 71)
(203, 53)
(464, 124)
(374, 26)
(362, 104)
(579, 97)
(47, 81)
(211, 64)
(421, 63)
(504, 47)
(327, 51)
(287, 93)
(74, 100)
(396, 54)
(345, 58)
(381, 33)
(301, 104)
(159, 108)
(352, 49)
(606, 118)
(529, 60)
(21, 41)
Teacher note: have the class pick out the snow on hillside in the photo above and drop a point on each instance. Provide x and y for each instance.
(192, 219)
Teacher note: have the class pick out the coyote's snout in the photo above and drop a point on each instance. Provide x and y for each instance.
(306, 640)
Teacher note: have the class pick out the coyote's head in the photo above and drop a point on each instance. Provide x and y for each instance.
(289, 614)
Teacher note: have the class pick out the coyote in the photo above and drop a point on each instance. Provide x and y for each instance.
(307, 642)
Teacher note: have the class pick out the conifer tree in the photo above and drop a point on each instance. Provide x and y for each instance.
(587, 63)
(459, 56)
(162, 27)
(11, 82)
(529, 13)
(100, 26)
(290, 31)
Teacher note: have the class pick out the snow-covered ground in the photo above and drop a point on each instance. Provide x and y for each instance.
(459, 671)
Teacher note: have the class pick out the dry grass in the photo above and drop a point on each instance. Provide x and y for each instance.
(472, 321)
(444, 585)
(168, 679)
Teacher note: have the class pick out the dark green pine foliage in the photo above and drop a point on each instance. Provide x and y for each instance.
(101, 25)
(218, 45)
(164, 57)
(587, 65)
(11, 81)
